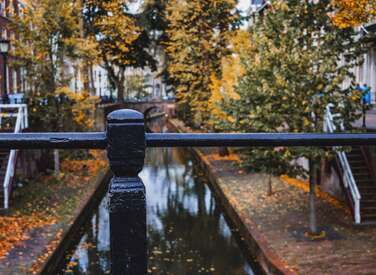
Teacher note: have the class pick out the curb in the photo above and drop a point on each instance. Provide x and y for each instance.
(255, 241)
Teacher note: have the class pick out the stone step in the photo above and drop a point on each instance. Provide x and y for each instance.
(358, 161)
(366, 181)
(358, 167)
(369, 217)
(354, 157)
(362, 179)
(366, 184)
(366, 223)
(363, 176)
(368, 210)
(367, 191)
(367, 203)
(355, 149)
(368, 196)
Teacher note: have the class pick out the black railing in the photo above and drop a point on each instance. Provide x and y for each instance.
(125, 140)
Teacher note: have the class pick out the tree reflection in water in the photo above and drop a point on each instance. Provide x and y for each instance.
(187, 232)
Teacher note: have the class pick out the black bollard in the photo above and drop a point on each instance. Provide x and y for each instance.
(127, 204)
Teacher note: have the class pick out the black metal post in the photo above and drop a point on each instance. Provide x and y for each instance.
(5, 81)
(312, 197)
(364, 126)
(100, 85)
(127, 205)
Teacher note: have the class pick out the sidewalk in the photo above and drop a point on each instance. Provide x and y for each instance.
(274, 226)
(45, 212)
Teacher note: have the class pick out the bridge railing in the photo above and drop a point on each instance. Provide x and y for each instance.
(125, 140)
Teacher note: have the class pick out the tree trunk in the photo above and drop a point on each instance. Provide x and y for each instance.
(56, 162)
(270, 187)
(84, 69)
(120, 92)
(312, 197)
(92, 83)
(120, 85)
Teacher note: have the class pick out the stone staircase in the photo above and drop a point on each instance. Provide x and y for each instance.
(365, 179)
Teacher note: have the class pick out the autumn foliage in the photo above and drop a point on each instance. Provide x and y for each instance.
(285, 79)
(351, 13)
(50, 200)
(223, 87)
(48, 39)
(122, 39)
(198, 35)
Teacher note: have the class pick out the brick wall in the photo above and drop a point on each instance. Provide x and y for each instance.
(7, 9)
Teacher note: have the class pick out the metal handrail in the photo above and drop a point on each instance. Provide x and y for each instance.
(125, 141)
(98, 140)
(348, 178)
(21, 123)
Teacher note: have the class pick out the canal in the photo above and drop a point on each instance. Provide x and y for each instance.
(187, 230)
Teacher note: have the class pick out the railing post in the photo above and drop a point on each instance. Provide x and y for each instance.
(127, 204)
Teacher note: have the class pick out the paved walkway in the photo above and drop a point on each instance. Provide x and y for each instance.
(278, 222)
(282, 220)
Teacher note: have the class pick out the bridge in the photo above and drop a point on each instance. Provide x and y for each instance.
(125, 140)
(147, 107)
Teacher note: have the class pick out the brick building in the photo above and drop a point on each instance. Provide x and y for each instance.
(15, 79)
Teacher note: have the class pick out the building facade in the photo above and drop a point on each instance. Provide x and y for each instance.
(366, 73)
(98, 79)
(14, 77)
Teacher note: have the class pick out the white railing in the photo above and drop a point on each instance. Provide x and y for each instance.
(22, 122)
(348, 178)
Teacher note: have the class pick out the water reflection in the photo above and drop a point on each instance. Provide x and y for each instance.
(187, 232)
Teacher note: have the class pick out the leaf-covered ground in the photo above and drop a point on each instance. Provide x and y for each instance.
(42, 211)
(280, 221)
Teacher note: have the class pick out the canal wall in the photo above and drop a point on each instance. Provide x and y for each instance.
(274, 227)
(72, 235)
(268, 260)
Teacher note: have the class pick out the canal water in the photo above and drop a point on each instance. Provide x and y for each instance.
(187, 231)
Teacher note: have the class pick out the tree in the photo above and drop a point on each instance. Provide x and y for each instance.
(297, 65)
(63, 110)
(48, 39)
(46, 36)
(89, 55)
(136, 86)
(122, 42)
(351, 13)
(223, 88)
(198, 35)
(154, 19)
